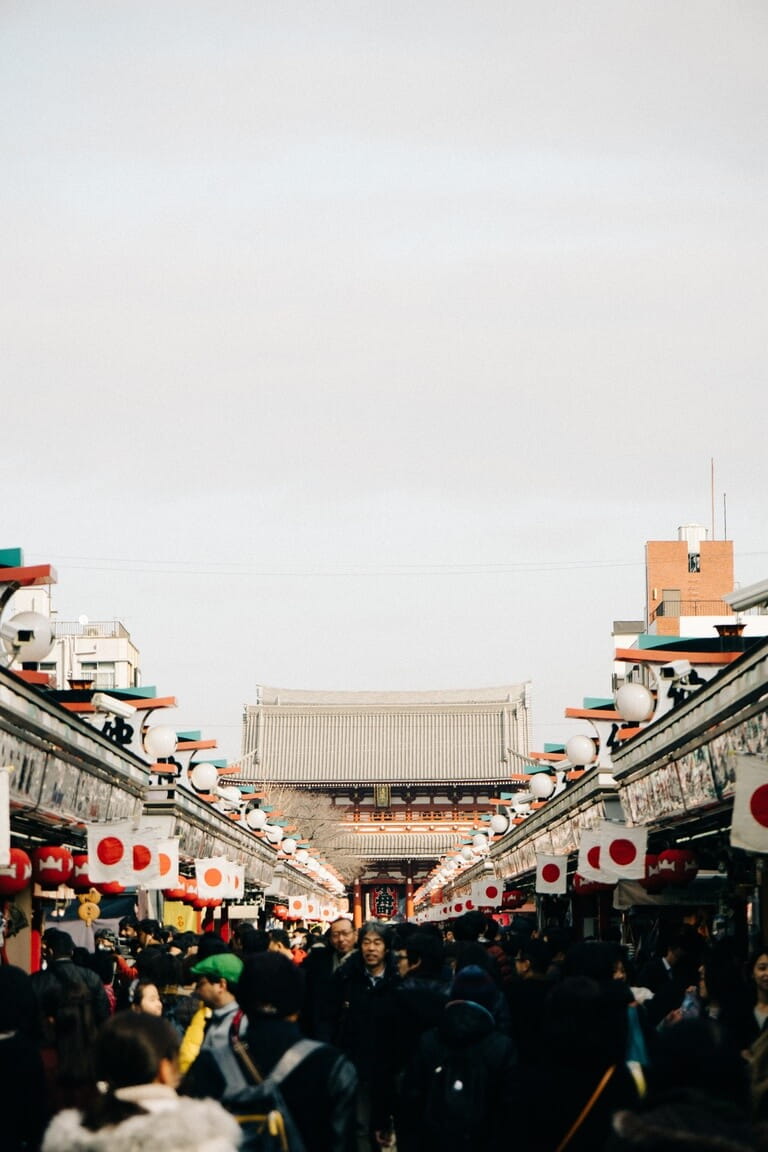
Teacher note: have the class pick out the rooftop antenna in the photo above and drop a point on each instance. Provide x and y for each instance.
(725, 516)
(712, 492)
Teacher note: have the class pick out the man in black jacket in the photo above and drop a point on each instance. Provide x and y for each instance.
(365, 1028)
(321, 963)
(319, 1093)
(61, 973)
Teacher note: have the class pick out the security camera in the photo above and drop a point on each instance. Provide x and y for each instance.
(27, 636)
(102, 702)
(675, 670)
(742, 599)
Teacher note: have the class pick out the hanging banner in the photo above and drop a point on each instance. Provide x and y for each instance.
(297, 907)
(551, 875)
(486, 894)
(110, 852)
(167, 853)
(622, 851)
(749, 827)
(5, 815)
(212, 875)
(588, 866)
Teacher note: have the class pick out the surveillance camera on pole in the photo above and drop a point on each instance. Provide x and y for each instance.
(103, 702)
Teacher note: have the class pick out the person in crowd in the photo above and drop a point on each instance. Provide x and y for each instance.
(138, 1109)
(669, 975)
(505, 965)
(128, 930)
(526, 997)
(209, 944)
(150, 948)
(458, 1083)
(216, 1069)
(280, 942)
(320, 1090)
(178, 1005)
(61, 972)
(755, 1022)
(364, 1028)
(319, 968)
(248, 940)
(22, 1076)
(584, 1039)
(423, 989)
(682, 1121)
(146, 998)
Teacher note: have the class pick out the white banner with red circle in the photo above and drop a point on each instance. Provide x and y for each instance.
(110, 852)
(749, 827)
(622, 851)
(551, 875)
(588, 866)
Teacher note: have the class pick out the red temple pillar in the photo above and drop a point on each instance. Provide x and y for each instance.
(409, 898)
(357, 904)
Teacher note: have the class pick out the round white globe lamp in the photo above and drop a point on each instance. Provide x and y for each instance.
(288, 846)
(256, 819)
(467, 853)
(160, 741)
(542, 785)
(499, 824)
(634, 702)
(204, 777)
(580, 750)
(480, 842)
(230, 794)
(274, 833)
(302, 855)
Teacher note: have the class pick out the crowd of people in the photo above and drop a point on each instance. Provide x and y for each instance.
(399, 1037)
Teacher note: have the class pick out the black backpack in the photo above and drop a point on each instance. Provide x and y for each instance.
(460, 1092)
(261, 1111)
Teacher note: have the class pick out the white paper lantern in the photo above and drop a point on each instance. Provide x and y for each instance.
(274, 833)
(480, 842)
(204, 777)
(580, 750)
(160, 741)
(542, 785)
(634, 702)
(288, 846)
(231, 794)
(256, 819)
(499, 824)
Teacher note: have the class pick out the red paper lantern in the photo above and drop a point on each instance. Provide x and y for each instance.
(513, 898)
(17, 874)
(584, 887)
(653, 881)
(110, 888)
(176, 893)
(189, 884)
(52, 866)
(677, 866)
(80, 880)
(280, 911)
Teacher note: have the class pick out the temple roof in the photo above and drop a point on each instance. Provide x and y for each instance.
(382, 845)
(466, 736)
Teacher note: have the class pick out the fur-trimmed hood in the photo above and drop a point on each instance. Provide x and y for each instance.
(175, 1124)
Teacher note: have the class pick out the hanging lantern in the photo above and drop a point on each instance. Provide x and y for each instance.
(542, 785)
(654, 880)
(677, 866)
(256, 818)
(480, 842)
(280, 911)
(513, 898)
(80, 880)
(189, 884)
(580, 750)
(301, 856)
(274, 833)
(467, 853)
(204, 777)
(634, 702)
(110, 888)
(52, 866)
(160, 741)
(175, 893)
(499, 824)
(16, 875)
(588, 887)
(288, 846)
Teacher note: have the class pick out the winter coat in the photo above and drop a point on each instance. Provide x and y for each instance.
(465, 1049)
(170, 1122)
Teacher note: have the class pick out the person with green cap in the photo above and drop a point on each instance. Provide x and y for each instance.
(217, 978)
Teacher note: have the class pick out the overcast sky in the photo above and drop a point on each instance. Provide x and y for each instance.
(362, 345)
